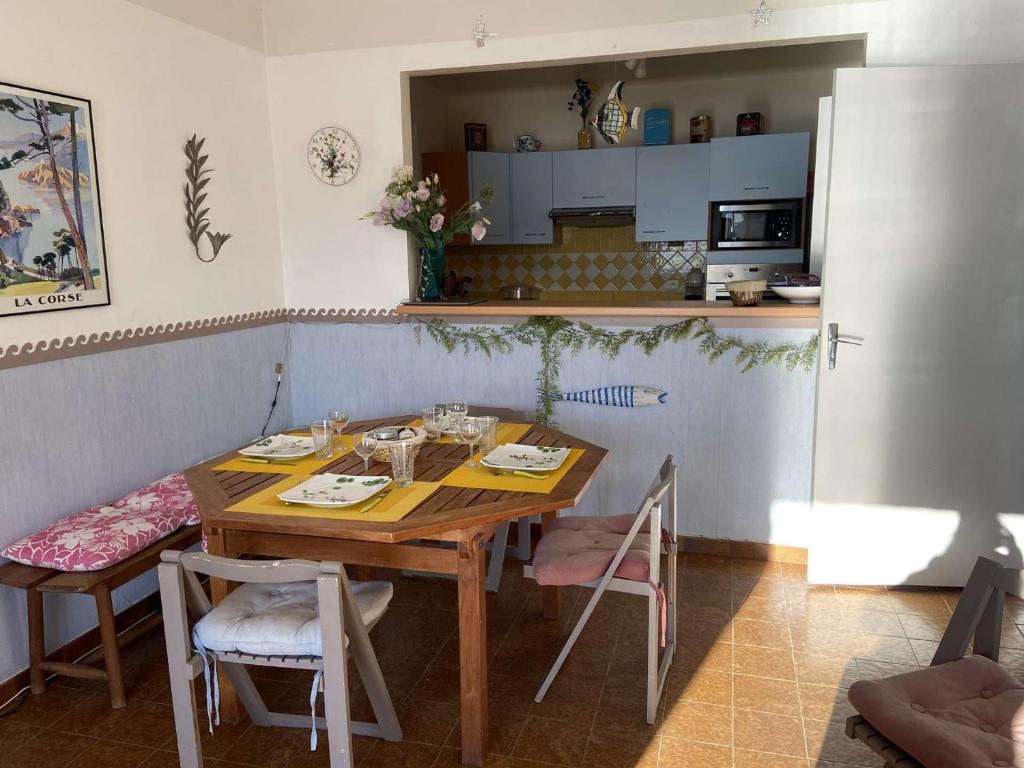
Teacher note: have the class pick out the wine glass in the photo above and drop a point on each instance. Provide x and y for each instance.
(339, 420)
(470, 432)
(457, 410)
(365, 447)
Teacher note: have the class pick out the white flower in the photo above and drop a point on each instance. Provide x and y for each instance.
(133, 526)
(76, 538)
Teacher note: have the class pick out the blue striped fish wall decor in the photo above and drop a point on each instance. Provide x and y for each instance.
(623, 396)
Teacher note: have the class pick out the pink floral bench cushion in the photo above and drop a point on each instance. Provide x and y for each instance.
(105, 535)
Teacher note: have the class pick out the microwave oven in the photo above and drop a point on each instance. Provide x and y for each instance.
(756, 225)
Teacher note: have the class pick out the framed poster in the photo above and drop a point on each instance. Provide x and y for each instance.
(51, 227)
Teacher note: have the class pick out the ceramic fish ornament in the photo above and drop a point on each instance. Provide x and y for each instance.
(613, 117)
(624, 396)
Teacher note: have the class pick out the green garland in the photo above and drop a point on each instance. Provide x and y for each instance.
(553, 335)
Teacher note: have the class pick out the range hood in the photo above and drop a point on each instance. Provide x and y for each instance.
(613, 216)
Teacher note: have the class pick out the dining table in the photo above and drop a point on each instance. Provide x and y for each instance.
(439, 525)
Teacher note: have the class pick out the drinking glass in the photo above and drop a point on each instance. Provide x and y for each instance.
(432, 418)
(457, 410)
(339, 420)
(402, 455)
(323, 439)
(469, 431)
(365, 446)
(488, 434)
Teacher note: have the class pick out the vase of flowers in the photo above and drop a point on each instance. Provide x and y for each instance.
(580, 103)
(420, 208)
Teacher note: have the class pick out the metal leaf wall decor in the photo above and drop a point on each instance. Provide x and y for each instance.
(195, 215)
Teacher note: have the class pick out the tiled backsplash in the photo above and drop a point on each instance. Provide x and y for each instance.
(581, 260)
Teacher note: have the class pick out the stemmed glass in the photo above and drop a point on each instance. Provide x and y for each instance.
(469, 431)
(339, 420)
(365, 447)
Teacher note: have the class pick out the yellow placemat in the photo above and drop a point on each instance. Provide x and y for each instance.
(478, 477)
(397, 503)
(508, 432)
(307, 465)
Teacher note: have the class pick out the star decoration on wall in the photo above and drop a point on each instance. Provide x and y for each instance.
(762, 14)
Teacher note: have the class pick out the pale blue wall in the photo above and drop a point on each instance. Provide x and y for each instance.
(86, 430)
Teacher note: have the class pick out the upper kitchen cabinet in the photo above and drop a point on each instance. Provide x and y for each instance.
(672, 192)
(531, 197)
(493, 168)
(594, 178)
(462, 174)
(769, 167)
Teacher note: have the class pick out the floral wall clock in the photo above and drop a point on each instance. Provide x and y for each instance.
(333, 156)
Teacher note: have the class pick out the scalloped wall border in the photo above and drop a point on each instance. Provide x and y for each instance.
(30, 353)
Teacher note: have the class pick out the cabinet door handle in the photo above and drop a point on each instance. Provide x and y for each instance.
(653, 231)
(750, 189)
(534, 234)
(593, 197)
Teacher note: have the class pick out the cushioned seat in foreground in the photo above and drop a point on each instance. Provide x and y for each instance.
(280, 619)
(579, 549)
(960, 714)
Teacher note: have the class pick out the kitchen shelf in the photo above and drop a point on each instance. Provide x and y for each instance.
(808, 313)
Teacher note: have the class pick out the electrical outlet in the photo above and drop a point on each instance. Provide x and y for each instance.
(279, 368)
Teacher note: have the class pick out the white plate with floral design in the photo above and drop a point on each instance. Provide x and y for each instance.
(534, 458)
(280, 447)
(329, 490)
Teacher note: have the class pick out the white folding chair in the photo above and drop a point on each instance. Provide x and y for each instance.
(621, 553)
(295, 614)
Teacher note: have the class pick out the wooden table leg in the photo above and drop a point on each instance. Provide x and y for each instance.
(551, 596)
(36, 639)
(108, 638)
(231, 709)
(473, 648)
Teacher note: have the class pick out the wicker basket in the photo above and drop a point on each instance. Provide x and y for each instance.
(382, 454)
(746, 293)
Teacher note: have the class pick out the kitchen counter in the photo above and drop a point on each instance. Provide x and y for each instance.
(774, 314)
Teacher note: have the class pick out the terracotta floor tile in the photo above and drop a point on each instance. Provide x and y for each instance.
(109, 754)
(767, 634)
(552, 741)
(877, 623)
(438, 684)
(764, 694)
(570, 698)
(709, 686)
(621, 749)
(823, 702)
(53, 749)
(429, 722)
(13, 735)
(147, 724)
(828, 742)
(688, 754)
(869, 669)
(923, 626)
(450, 757)
(765, 732)
(865, 598)
(894, 650)
(924, 650)
(918, 600)
(400, 754)
(761, 609)
(46, 708)
(763, 662)
(745, 758)
(696, 721)
(826, 670)
(269, 747)
(709, 655)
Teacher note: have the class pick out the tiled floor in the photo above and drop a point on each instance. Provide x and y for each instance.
(759, 682)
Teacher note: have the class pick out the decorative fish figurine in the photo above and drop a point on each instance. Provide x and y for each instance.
(613, 117)
(624, 396)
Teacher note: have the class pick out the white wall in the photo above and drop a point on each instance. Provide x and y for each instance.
(153, 82)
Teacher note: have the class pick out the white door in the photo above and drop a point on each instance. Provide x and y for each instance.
(919, 446)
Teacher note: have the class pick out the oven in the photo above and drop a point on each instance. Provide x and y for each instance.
(757, 225)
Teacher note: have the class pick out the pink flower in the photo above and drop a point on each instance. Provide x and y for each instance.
(403, 208)
(379, 219)
(423, 193)
(436, 222)
(478, 231)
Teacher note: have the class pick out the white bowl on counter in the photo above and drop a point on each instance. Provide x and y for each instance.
(799, 294)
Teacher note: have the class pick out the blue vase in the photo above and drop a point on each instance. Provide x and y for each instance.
(431, 286)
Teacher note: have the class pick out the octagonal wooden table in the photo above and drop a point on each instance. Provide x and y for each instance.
(468, 517)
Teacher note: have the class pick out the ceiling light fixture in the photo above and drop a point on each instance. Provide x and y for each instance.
(481, 34)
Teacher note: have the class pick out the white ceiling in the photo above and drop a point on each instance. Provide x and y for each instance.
(237, 20)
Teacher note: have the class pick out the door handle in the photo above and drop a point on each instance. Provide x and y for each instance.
(835, 339)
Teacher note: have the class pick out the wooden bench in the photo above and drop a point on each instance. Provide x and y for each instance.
(99, 584)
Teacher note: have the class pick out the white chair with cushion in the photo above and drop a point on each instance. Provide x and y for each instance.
(287, 613)
(622, 554)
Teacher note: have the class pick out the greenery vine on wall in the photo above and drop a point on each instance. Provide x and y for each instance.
(554, 335)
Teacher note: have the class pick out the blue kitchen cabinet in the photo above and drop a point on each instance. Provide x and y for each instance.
(672, 192)
(768, 167)
(493, 168)
(594, 178)
(531, 197)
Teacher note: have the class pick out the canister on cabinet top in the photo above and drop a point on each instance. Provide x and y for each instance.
(749, 124)
(700, 129)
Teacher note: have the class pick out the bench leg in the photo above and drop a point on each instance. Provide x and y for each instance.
(108, 638)
(36, 640)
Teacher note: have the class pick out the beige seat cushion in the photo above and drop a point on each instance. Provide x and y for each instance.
(962, 714)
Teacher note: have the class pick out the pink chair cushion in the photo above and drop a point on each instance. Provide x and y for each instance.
(578, 550)
(964, 713)
(105, 535)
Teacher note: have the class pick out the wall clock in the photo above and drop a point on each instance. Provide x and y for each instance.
(333, 156)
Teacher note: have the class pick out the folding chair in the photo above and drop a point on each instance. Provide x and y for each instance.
(295, 614)
(961, 710)
(621, 553)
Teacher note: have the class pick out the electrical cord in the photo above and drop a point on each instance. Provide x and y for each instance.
(278, 369)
